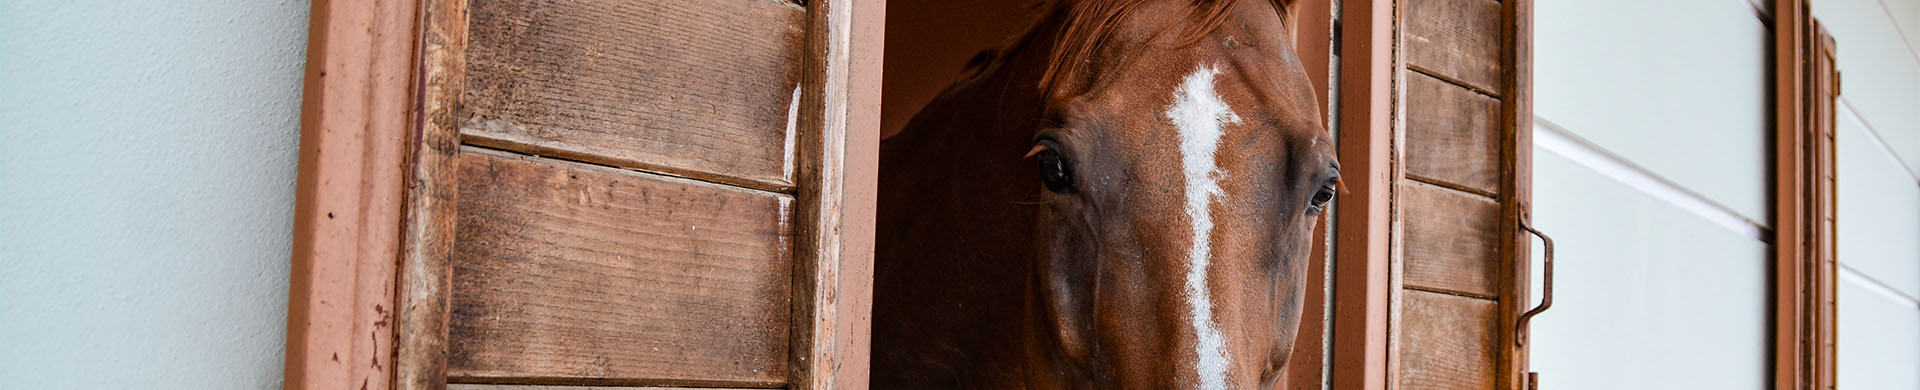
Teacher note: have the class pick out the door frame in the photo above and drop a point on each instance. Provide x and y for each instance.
(1805, 83)
(356, 124)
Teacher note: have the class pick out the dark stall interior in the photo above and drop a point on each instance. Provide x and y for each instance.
(929, 41)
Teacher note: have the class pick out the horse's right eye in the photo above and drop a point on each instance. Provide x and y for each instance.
(1054, 172)
(1320, 198)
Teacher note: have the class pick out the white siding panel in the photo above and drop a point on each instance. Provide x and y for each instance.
(1648, 295)
(1880, 75)
(1878, 343)
(1879, 232)
(1906, 17)
(1681, 92)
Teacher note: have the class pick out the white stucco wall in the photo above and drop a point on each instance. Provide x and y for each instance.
(147, 162)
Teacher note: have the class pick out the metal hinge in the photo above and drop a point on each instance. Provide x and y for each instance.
(1836, 82)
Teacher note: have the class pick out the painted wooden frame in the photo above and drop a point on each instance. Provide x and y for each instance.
(1357, 357)
(356, 126)
(1804, 263)
(374, 225)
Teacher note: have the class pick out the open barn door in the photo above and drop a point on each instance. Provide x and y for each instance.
(662, 193)
(1462, 195)
(651, 193)
(1431, 270)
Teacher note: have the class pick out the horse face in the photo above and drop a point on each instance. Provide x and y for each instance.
(1179, 196)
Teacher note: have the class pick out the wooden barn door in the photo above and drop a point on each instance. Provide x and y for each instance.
(1462, 195)
(1431, 269)
(661, 193)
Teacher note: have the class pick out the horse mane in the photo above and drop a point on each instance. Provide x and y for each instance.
(1087, 23)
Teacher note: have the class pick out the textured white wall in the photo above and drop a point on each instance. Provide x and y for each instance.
(147, 159)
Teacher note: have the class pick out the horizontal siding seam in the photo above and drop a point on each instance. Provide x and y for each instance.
(1875, 285)
(1552, 137)
(1911, 51)
(1874, 135)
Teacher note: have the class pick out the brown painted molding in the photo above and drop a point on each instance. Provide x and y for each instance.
(1805, 86)
(1362, 287)
(354, 130)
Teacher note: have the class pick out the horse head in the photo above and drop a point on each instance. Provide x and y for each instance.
(1165, 162)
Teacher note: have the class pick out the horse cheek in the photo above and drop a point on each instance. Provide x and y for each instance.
(1067, 276)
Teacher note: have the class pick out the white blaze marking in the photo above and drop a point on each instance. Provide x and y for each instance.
(1201, 116)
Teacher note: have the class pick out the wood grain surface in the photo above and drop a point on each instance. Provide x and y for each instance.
(420, 352)
(544, 387)
(1458, 40)
(1452, 240)
(1453, 135)
(695, 88)
(596, 275)
(1448, 342)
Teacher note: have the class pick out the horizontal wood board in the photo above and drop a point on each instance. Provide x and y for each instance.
(1453, 135)
(544, 387)
(1448, 342)
(1458, 40)
(698, 88)
(587, 273)
(1451, 240)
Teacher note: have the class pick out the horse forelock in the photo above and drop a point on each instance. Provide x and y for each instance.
(1088, 23)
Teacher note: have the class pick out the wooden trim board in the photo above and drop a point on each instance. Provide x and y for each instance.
(425, 274)
(1517, 21)
(1358, 355)
(838, 187)
(1804, 262)
(355, 126)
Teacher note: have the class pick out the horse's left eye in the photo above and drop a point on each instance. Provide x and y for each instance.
(1054, 172)
(1320, 199)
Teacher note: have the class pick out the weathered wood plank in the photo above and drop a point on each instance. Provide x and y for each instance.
(425, 302)
(1448, 342)
(1453, 134)
(539, 387)
(1458, 40)
(1451, 240)
(695, 88)
(587, 273)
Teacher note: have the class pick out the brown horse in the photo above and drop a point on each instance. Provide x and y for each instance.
(1162, 239)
